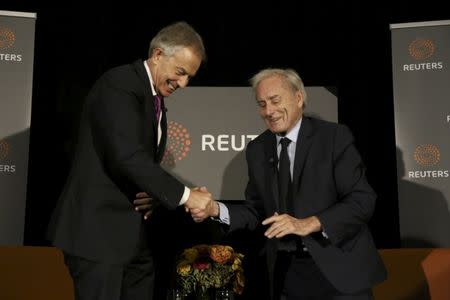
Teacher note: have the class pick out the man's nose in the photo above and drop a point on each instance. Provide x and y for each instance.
(269, 109)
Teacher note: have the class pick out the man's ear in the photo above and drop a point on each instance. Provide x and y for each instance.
(156, 54)
(299, 97)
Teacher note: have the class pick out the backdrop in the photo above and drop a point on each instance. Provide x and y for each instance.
(346, 45)
(421, 73)
(16, 75)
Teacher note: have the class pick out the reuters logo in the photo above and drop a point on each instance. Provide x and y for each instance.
(427, 155)
(4, 149)
(178, 143)
(421, 49)
(7, 38)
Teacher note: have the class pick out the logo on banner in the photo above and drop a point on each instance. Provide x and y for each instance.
(7, 39)
(4, 152)
(427, 155)
(226, 142)
(421, 49)
(178, 143)
(4, 149)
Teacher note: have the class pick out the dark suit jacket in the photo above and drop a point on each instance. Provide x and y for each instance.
(329, 182)
(116, 157)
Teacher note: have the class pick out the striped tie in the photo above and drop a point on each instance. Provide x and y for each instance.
(157, 106)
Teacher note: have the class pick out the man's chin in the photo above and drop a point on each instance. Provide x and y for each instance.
(276, 130)
(276, 127)
(169, 92)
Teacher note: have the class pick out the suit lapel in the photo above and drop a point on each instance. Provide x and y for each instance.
(150, 122)
(304, 141)
(270, 163)
(163, 142)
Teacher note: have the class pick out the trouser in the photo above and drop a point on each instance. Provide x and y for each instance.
(105, 281)
(299, 278)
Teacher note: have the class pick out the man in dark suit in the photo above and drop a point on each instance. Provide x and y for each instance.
(319, 245)
(107, 245)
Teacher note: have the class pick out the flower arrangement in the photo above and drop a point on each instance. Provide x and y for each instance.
(210, 266)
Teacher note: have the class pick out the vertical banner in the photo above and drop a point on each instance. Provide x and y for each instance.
(209, 129)
(421, 82)
(16, 75)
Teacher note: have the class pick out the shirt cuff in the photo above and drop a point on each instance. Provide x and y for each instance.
(224, 214)
(185, 197)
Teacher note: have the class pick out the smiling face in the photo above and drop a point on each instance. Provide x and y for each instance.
(280, 105)
(171, 72)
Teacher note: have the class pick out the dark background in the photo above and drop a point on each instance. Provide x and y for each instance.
(345, 45)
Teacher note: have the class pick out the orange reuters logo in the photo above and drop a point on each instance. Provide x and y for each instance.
(421, 49)
(427, 155)
(4, 149)
(178, 143)
(7, 38)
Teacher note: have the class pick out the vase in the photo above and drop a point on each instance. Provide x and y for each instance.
(203, 295)
(176, 295)
(224, 294)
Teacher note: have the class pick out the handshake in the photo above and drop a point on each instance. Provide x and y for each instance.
(200, 204)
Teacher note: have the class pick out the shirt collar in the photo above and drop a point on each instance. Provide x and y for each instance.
(292, 134)
(150, 77)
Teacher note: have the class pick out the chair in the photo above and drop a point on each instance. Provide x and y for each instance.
(415, 274)
(36, 273)
(437, 271)
(406, 279)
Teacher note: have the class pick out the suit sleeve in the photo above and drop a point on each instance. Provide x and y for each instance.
(247, 216)
(117, 122)
(355, 198)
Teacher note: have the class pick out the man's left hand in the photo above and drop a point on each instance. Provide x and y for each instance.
(281, 225)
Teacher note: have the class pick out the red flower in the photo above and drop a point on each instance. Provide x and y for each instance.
(201, 265)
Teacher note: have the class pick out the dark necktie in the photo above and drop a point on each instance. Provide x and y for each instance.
(284, 176)
(287, 243)
(157, 106)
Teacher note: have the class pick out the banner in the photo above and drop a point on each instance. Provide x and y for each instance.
(209, 128)
(16, 76)
(421, 81)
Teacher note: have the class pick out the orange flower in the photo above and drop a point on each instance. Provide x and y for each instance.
(221, 254)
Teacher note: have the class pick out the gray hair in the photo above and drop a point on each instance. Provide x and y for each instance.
(289, 76)
(177, 36)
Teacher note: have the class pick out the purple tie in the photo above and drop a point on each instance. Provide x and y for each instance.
(157, 106)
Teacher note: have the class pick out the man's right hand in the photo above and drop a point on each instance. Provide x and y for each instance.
(200, 200)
